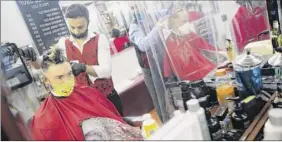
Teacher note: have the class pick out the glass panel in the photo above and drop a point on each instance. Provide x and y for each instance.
(175, 41)
(280, 12)
(246, 20)
(186, 40)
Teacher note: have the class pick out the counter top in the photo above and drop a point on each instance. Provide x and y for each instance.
(129, 84)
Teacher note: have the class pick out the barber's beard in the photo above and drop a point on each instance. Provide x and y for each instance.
(80, 36)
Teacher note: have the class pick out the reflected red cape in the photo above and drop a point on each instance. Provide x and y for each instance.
(119, 42)
(186, 59)
(60, 118)
(247, 26)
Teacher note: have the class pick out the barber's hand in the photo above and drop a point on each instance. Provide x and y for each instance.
(50, 54)
(28, 53)
(77, 68)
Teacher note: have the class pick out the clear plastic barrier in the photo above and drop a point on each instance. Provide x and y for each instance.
(182, 40)
(186, 40)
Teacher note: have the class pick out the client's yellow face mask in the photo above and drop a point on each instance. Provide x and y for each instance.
(61, 79)
(63, 89)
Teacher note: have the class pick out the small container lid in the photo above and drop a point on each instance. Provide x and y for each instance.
(220, 72)
(147, 116)
(177, 112)
(275, 116)
(248, 60)
(275, 60)
(193, 105)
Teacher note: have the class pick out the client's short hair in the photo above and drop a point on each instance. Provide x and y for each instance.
(76, 11)
(115, 33)
(56, 59)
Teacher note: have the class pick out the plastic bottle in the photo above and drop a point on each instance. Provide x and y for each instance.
(149, 125)
(194, 107)
(214, 127)
(228, 123)
(240, 119)
(230, 50)
(187, 129)
(177, 113)
(165, 129)
(273, 126)
(224, 89)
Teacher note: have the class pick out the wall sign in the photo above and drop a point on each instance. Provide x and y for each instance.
(44, 20)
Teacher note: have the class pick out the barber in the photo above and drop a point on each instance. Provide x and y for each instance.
(143, 43)
(89, 54)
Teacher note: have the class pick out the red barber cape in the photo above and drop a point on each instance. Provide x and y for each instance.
(186, 59)
(119, 42)
(60, 118)
(247, 25)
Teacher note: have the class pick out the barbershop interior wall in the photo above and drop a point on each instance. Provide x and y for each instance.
(13, 27)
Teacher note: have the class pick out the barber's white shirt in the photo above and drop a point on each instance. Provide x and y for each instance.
(104, 69)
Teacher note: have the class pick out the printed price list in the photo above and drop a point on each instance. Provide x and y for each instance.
(44, 20)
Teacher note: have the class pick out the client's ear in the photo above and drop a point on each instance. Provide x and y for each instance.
(47, 82)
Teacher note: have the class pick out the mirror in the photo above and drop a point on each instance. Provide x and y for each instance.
(15, 70)
(152, 44)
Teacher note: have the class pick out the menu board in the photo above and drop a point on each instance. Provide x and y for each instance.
(44, 20)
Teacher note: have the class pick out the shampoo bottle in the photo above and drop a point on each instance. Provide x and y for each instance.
(168, 126)
(187, 129)
(239, 118)
(194, 107)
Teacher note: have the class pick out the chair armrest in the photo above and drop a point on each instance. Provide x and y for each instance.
(135, 121)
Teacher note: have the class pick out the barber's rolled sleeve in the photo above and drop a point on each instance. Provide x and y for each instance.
(143, 41)
(104, 69)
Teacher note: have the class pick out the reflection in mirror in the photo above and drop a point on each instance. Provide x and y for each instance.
(128, 58)
(191, 40)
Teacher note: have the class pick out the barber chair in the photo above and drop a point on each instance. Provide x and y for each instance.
(134, 121)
